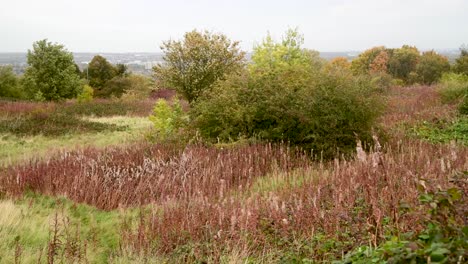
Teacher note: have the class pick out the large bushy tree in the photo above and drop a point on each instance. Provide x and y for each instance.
(194, 64)
(51, 74)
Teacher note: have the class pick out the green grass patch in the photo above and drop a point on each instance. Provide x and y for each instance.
(444, 131)
(14, 148)
(28, 223)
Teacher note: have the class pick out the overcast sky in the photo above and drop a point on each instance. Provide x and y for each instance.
(141, 25)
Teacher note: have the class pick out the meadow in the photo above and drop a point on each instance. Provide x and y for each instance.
(96, 191)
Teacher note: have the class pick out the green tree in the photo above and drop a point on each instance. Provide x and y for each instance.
(461, 63)
(286, 61)
(100, 71)
(194, 64)
(51, 72)
(121, 70)
(403, 62)
(271, 56)
(431, 67)
(9, 83)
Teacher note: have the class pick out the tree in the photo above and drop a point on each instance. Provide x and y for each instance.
(338, 65)
(194, 64)
(121, 70)
(403, 62)
(285, 61)
(9, 84)
(361, 64)
(51, 72)
(271, 56)
(100, 71)
(431, 67)
(380, 64)
(461, 63)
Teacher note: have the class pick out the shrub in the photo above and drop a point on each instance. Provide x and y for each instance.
(168, 120)
(328, 115)
(453, 87)
(444, 240)
(86, 95)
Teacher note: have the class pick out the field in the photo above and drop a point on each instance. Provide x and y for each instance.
(94, 190)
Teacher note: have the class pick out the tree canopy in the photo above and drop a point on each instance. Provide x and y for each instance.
(192, 65)
(51, 73)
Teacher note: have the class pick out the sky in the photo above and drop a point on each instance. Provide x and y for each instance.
(142, 25)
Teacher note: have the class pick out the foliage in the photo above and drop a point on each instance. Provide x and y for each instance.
(444, 132)
(168, 120)
(463, 107)
(461, 63)
(361, 65)
(403, 62)
(453, 87)
(431, 67)
(380, 63)
(445, 239)
(99, 72)
(271, 57)
(116, 87)
(9, 84)
(284, 96)
(139, 87)
(194, 64)
(338, 65)
(400, 63)
(86, 95)
(51, 72)
(326, 114)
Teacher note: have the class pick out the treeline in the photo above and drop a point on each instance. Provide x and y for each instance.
(53, 75)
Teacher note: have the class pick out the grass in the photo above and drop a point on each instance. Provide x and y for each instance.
(30, 220)
(15, 148)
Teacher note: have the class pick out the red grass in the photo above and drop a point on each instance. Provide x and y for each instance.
(142, 174)
(354, 200)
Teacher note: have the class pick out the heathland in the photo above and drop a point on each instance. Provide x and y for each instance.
(286, 158)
